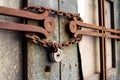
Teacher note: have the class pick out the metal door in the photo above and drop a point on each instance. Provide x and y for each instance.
(39, 68)
(21, 59)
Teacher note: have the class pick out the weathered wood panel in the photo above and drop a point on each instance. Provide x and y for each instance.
(10, 47)
(37, 55)
(70, 62)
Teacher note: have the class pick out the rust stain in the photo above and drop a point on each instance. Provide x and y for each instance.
(23, 27)
(22, 14)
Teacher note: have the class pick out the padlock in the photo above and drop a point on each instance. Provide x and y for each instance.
(56, 56)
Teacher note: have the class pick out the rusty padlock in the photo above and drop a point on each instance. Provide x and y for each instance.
(56, 56)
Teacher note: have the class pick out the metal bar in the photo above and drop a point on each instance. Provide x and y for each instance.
(95, 34)
(22, 14)
(87, 33)
(92, 26)
(30, 15)
(105, 55)
(23, 27)
(86, 25)
(102, 41)
(113, 36)
(37, 29)
(112, 30)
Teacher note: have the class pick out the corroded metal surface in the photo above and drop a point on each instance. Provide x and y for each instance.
(73, 29)
(49, 23)
(23, 27)
(103, 67)
(52, 44)
(23, 14)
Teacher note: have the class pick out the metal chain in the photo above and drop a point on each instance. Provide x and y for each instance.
(55, 45)
(45, 43)
(39, 9)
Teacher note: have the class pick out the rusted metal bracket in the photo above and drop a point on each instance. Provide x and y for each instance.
(95, 33)
(23, 27)
(22, 14)
(49, 23)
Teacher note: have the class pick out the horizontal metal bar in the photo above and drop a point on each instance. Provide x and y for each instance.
(113, 36)
(23, 27)
(92, 26)
(87, 33)
(31, 28)
(96, 34)
(112, 31)
(86, 25)
(37, 29)
(22, 14)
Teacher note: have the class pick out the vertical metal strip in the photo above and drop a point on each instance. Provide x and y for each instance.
(105, 57)
(102, 40)
(102, 76)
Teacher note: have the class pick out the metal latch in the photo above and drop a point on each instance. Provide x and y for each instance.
(48, 24)
(43, 15)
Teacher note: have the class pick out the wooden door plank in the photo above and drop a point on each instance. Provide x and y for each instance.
(69, 64)
(10, 47)
(37, 55)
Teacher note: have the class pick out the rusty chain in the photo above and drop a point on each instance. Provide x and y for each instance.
(45, 43)
(39, 9)
(55, 45)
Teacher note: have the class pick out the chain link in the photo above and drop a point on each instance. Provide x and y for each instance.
(45, 43)
(55, 45)
(39, 9)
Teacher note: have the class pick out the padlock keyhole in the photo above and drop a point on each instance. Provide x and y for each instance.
(58, 55)
(55, 56)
